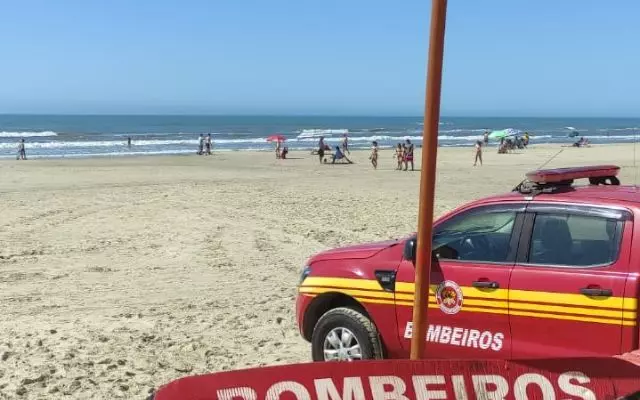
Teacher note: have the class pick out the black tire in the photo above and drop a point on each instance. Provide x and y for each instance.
(363, 329)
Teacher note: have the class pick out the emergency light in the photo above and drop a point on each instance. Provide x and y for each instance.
(558, 175)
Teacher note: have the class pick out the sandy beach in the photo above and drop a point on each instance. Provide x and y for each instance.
(121, 274)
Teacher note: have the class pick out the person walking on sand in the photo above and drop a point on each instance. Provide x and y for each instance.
(201, 145)
(345, 144)
(374, 155)
(22, 154)
(478, 153)
(408, 155)
(207, 144)
(399, 155)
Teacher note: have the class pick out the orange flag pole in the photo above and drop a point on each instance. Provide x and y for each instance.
(428, 178)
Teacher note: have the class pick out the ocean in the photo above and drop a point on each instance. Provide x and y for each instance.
(52, 136)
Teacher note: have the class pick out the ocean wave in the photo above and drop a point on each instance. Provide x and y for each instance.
(462, 130)
(619, 129)
(27, 134)
(310, 133)
(248, 141)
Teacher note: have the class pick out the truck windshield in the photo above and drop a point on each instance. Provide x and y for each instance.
(494, 222)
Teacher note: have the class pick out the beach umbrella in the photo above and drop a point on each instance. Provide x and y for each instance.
(573, 131)
(276, 138)
(503, 133)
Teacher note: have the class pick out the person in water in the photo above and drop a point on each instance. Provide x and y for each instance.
(129, 142)
(408, 155)
(374, 155)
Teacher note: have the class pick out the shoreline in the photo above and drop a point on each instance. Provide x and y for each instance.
(296, 153)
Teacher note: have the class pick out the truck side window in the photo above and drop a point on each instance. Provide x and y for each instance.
(477, 236)
(574, 240)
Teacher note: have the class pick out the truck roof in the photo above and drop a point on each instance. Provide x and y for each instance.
(595, 194)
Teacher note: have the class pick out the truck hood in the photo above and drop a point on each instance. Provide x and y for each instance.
(360, 251)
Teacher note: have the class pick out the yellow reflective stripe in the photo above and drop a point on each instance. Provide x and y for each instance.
(496, 294)
(572, 318)
(374, 301)
(342, 283)
(353, 293)
(630, 303)
(568, 310)
(566, 298)
(501, 311)
(521, 305)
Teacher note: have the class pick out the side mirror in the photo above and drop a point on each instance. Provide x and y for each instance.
(409, 252)
(410, 248)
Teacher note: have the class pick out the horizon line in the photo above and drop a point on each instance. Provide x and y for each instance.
(304, 115)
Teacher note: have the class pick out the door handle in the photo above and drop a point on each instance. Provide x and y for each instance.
(595, 291)
(486, 284)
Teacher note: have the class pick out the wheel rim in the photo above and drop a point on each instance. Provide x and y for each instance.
(341, 344)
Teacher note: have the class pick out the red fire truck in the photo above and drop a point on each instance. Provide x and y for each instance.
(547, 270)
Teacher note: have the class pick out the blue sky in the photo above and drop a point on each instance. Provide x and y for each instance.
(502, 57)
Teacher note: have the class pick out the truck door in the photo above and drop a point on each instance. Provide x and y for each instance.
(475, 251)
(566, 294)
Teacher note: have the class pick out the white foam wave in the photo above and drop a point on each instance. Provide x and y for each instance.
(123, 143)
(461, 130)
(620, 129)
(27, 134)
(253, 141)
(310, 133)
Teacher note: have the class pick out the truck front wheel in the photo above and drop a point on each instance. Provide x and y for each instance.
(344, 334)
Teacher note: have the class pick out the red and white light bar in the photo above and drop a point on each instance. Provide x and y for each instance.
(544, 176)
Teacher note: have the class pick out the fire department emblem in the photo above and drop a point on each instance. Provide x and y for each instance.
(449, 297)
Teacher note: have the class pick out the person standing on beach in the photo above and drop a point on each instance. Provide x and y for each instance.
(374, 155)
(486, 138)
(345, 144)
(399, 156)
(201, 145)
(408, 155)
(321, 146)
(129, 142)
(22, 154)
(478, 153)
(207, 144)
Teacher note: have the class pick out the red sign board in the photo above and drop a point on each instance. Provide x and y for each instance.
(549, 379)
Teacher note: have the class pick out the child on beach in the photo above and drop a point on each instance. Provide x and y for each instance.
(478, 153)
(399, 155)
(374, 155)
